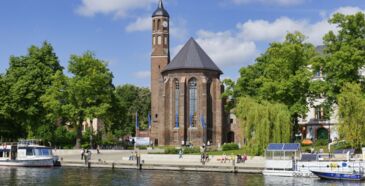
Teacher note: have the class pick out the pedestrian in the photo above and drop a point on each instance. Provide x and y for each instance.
(224, 158)
(239, 158)
(180, 154)
(98, 149)
(131, 156)
(88, 155)
(82, 153)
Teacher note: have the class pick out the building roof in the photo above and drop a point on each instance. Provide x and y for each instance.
(192, 56)
(160, 11)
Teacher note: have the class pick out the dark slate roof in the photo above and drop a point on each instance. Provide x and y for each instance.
(160, 11)
(192, 56)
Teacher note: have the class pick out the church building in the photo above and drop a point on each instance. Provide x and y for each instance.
(186, 103)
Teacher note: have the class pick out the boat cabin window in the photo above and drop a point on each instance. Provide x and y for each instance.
(4, 153)
(29, 152)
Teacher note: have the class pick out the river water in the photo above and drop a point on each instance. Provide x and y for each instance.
(107, 176)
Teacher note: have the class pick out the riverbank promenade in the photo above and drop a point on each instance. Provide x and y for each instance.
(121, 159)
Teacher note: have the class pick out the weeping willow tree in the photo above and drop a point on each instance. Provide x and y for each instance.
(263, 123)
(351, 113)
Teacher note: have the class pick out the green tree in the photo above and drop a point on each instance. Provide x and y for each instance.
(131, 99)
(344, 55)
(26, 80)
(87, 94)
(228, 94)
(89, 90)
(280, 75)
(351, 104)
(263, 123)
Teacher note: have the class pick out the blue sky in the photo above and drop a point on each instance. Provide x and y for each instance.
(232, 32)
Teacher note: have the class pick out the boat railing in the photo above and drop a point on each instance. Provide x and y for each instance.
(28, 142)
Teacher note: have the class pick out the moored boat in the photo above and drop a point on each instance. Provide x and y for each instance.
(26, 153)
(354, 175)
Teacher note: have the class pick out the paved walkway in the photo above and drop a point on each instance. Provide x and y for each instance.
(159, 161)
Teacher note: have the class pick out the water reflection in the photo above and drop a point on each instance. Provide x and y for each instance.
(274, 180)
(99, 176)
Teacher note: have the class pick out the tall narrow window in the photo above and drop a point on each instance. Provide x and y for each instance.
(154, 25)
(177, 94)
(319, 113)
(158, 24)
(192, 101)
(165, 40)
(154, 40)
(159, 40)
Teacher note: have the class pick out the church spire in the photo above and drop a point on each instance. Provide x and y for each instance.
(160, 4)
(160, 11)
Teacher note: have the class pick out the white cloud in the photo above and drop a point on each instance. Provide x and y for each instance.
(225, 48)
(262, 30)
(271, 2)
(348, 10)
(142, 74)
(238, 46)
(141, 24)
(118, 8)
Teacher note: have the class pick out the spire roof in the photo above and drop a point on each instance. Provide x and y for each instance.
(160, 11)
(192, 56)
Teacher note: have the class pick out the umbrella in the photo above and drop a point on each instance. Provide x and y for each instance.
(307, 142)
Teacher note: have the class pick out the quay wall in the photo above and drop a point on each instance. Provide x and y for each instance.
(121, 159)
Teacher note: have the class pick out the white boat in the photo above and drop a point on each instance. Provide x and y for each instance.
(26, 153)
(288, 161)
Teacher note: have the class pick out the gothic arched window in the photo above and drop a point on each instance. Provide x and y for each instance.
(177, 94)
(192, 101)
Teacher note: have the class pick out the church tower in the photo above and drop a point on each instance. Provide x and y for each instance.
(160, 57)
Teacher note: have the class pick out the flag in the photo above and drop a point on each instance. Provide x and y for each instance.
(177, 120)
(137, 126)
(202, 121)
(149, 120)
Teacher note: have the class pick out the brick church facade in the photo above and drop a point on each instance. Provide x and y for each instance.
(186, 103)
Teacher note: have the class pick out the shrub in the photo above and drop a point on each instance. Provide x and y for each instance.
(85, 146)
(230, 146)
(171, 150)
(307, 149)
(341, 145)
(191, 150)
(321, 142)
(144, 147)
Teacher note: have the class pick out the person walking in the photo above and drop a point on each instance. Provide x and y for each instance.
(180, 154)
(87, 156)
(82, 153)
